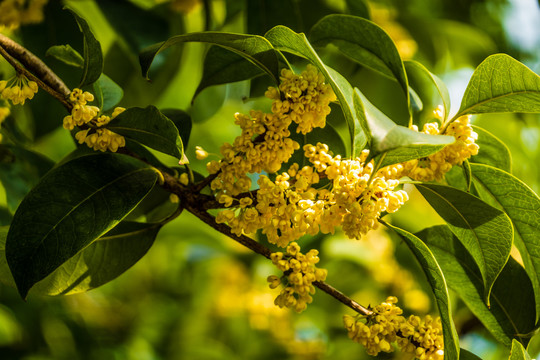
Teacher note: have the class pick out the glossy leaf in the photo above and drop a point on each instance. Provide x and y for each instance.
(102, 261)
(222, 67)
(67, 55)
(182, 121)
(420, 77)
(93, 57)
(492, 151)
(512, 310)
(467, 355)
(396, 142)
(501, 84)
(74, 204)
(438, 285)
(149, 127)
(518, 352)
(20, 171)
(485, 231)
(254, 48)
(107, 93)
(522, 205)
(364, 42)
(285, 39)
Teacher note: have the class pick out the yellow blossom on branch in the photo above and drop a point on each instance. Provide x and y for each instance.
(18, 89)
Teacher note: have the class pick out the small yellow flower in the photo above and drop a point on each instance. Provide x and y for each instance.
(184, 179)
(200, 153)
(18, 89)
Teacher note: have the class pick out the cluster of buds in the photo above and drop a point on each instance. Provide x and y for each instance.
(386, 325)
(96, 135)
(299, 274)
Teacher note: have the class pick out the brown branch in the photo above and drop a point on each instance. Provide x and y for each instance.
(34, 69)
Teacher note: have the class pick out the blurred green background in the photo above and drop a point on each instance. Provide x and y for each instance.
(198, 295)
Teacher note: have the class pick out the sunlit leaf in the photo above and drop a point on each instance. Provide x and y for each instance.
(512, 312)
(522, 205)
(93, 57)
(149, 127)
(396, 142)
(285, 39)
(71, 206)
(20, 171)
(501, 84)
(364, 42)
(518, 352)
(102, 261)
(438, 285)
(485, 231)
(254, 48)
(67, 55)
(492, 151)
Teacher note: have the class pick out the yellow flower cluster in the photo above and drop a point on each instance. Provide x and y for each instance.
(377, 332)
(433, 167)
(96, 136)
(18, 89)
(303, 98)
(14, 13)
(299, 274)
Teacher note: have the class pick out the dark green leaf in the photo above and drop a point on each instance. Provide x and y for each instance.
(438, 285)
(501, 84)
(67, 55)
(358, 8)
(364, 42)
(69, 208)
(485, 231)
(254, 48)
(222, 67)
(492, 151)
(149, 127)
(5, 216)
(107, 93)
(522, 205)
(20, 171)
(93, 57)
(182, 121)
(512, 310)
(397, 142)
(421, 79)
(101, 261)
(518, 352)
(285, 39)
(5, 274)
(467, 355)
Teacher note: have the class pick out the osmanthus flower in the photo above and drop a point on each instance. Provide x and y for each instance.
(14, 13)
(96, 136)
(299, 274)
(304, 98)
(18, 89)
(4, 113)
(386, 325)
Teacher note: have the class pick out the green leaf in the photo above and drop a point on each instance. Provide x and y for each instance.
(492, 151)
(358, 8)
(93, 57)
(512, 310)
(222, 66)
(396, 142)
(518, 352)
(285, 39)
(467, 355)
(501, 84)
(182, 121)
(149, 127)
(422, 79)
(107, 93)
(438, 285)
(254, 48)
(5, 274)
(485, 231)
(71, 206)
(522, 205)
(364, 42)
(67, 55)
(102, 261)
(20, 171)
